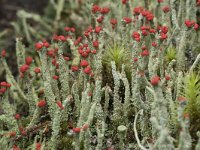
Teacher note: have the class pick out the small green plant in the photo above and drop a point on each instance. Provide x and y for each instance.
(192, 92)
(117, 53)
(170, 54)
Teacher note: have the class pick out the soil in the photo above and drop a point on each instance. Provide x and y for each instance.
(8, 9)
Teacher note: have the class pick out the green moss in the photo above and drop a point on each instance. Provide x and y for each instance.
(170, 54)
(116, 52)
(192, 92)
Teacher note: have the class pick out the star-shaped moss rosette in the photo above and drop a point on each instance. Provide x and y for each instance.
(120, 55)
(170, 55)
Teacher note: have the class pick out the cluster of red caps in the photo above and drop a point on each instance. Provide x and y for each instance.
(145, 13)
(78, 129)
(40, 45)
(102, 11)
(190, 24)
(3, 53)
(52, 52)
(113, 22)
(165, 8)
(144, 52)
(198, 2)
(124, 2)
(42, 103)
(4, 86)
(98, 9)
(23, 69)
(90, 30)
(84, 51)
(163, 32)
(28, 60)
(156, 79)
(146, 30)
